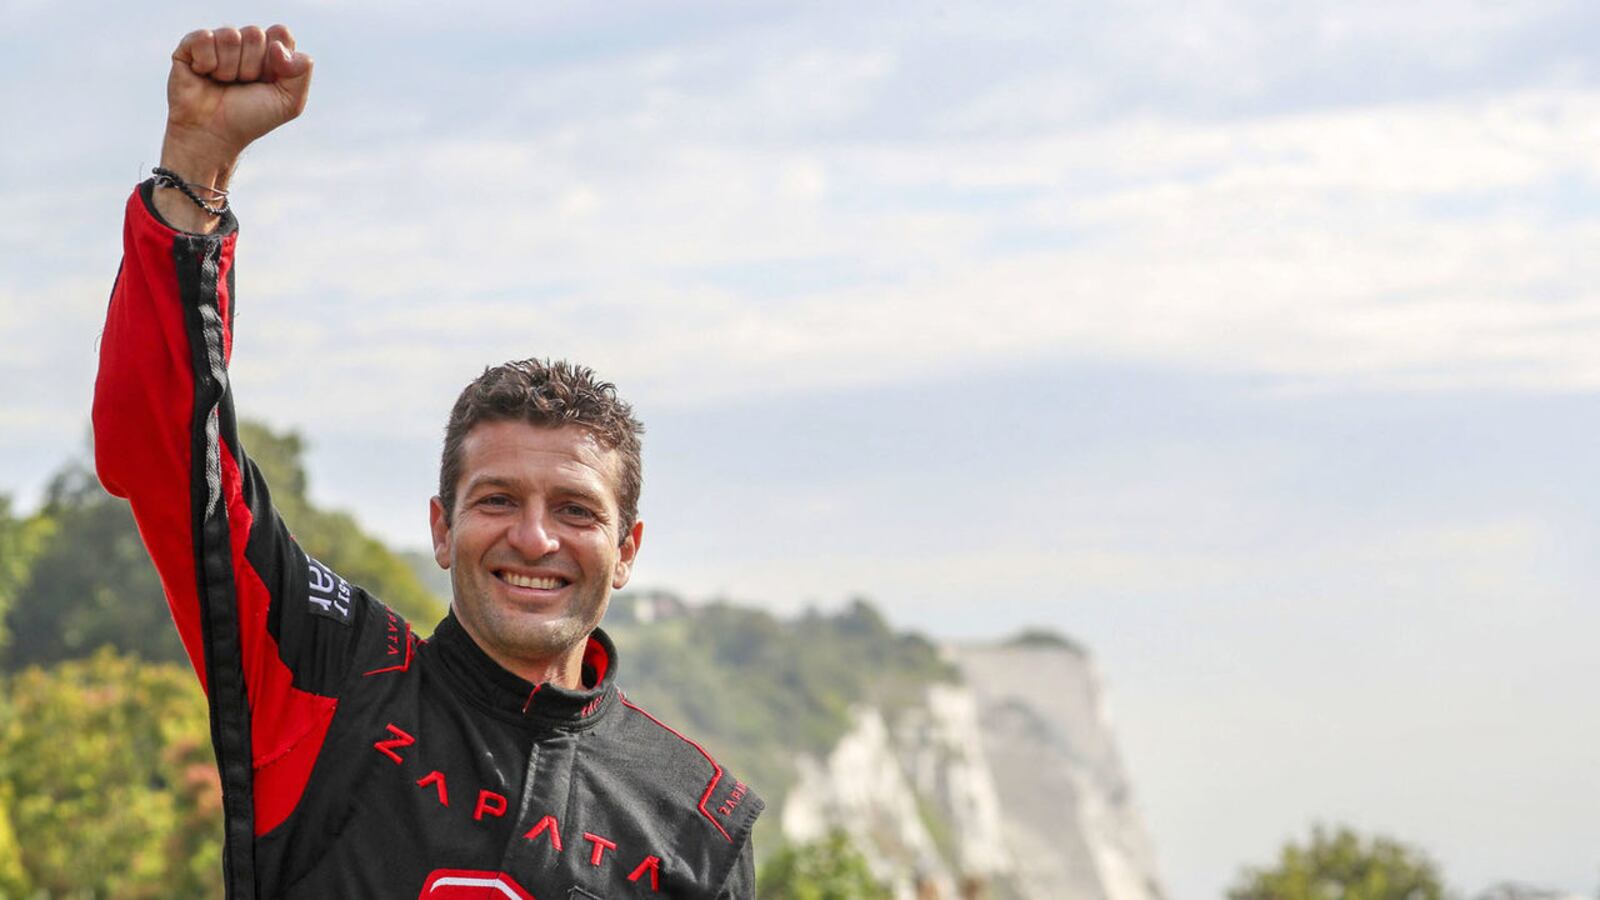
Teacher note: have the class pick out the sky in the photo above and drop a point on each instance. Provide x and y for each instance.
(1250, 343)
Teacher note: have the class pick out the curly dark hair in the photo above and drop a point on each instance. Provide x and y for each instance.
(548, 394)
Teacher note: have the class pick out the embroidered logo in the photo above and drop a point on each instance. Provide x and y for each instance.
(466, 884)
(330, 594)
(598, 850)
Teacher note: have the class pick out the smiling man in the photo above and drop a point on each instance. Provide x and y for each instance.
(537, 513)
(498, 758)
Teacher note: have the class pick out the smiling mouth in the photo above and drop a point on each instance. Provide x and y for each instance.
(537, 582)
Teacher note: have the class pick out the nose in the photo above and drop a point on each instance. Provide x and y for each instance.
(532, 536)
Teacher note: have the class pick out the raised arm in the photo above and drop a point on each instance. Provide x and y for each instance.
(271, 633)
(163, 412)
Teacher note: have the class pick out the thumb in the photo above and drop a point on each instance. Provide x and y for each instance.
(290, 73)
(284, 64)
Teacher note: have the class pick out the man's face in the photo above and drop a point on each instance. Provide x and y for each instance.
(534, 549)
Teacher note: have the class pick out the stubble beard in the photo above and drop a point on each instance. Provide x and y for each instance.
(526, 638)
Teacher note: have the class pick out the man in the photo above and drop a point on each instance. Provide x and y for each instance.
(495, 759)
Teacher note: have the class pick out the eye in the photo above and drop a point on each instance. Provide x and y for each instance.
(574, 510)
(495, 500)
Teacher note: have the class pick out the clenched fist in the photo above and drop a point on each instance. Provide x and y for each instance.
(227, 87)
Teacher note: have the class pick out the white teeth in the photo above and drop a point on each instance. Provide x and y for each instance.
(528, 581)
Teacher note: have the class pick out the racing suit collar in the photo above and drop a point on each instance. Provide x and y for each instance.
(513, 697)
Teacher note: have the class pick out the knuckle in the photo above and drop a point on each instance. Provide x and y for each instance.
(252, 34)
(195, 41)
(227, 37)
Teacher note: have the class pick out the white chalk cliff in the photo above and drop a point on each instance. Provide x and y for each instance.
(1008, 785)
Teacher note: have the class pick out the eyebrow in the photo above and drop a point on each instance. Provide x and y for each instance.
(587, 497)
(482, 481)
(511, 483)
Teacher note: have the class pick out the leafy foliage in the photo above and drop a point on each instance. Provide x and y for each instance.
(757, 690)
(91, 584)
(20, 541)
(830, 869)
(108, 786)
(1341, 864)
(333, 537)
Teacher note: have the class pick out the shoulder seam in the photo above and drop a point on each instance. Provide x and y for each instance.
(716, 767)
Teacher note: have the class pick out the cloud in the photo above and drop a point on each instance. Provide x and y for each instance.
(682, 228)
(1317, 247)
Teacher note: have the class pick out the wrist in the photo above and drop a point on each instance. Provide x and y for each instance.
(202, 162)
(198, 159)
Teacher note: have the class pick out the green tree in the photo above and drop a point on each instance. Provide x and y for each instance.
(20, 540)
(829, 869)
(108, 787)
(1341, 865)
(91, 584)
(757, 689)
(333, 536)
(14, 881)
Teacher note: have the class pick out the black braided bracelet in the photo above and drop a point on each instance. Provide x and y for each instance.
(169, 178)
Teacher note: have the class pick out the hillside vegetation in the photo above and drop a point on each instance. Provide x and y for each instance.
(74, 575)
(758, 689)
(107, 781)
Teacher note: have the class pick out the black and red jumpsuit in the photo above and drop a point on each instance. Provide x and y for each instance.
(358, 760)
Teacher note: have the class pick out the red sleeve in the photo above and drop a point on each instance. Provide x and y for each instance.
(270, 632)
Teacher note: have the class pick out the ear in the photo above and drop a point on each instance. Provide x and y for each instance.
(628, 552)
(441, 533)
